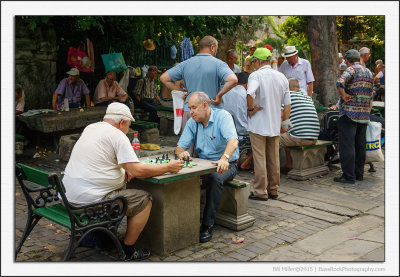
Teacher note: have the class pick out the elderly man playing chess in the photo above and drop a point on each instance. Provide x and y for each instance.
(214, 136)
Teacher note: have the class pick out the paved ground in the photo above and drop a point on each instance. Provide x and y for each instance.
(313, 220)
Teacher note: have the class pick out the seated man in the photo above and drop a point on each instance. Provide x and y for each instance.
(380, 93)
(101, 161)
(108, 91)
(146, 93)
(213, 133)
(305, 122)
(71, 88)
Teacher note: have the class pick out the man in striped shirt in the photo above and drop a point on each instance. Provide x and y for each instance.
(304, 119)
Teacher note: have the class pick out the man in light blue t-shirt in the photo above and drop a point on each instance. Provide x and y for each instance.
(202, 72)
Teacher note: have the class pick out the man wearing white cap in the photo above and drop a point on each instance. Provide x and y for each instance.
(298, 68)
(71, 88)
(365, 54)
(101, 162)
(341, 60)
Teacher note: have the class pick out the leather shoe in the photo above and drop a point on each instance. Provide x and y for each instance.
(272, 196)
(343, 180)
(206, 233)
(253, 197)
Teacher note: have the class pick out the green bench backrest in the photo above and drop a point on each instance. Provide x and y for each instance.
(163, 108)
(35, 175)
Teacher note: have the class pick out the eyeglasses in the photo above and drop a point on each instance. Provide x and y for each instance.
(253, 61)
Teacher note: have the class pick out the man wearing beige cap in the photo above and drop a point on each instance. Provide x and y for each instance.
(298, 68)
(71, 88)
(101, 162)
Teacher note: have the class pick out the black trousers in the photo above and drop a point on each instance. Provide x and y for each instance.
(352, 140)
(149, 106)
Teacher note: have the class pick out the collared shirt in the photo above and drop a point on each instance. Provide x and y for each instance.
(356, 81)
(148, 91)
(211, 140)
(235, 103)
(202, 72)
(186, 49)
(247, 61)
(72, 92)
(301, 71)
(269, 89)
(236, 68)
(103, 90)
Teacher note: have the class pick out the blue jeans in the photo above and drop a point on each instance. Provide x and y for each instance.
(214, 185)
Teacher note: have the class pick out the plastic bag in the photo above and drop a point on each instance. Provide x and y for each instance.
(178, 109)
(113, 61)
(373, 147)
(79, 59)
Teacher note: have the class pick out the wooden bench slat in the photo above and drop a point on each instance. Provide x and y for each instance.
(163, 108)
(56, 213)
(319, 143)
(35, 175)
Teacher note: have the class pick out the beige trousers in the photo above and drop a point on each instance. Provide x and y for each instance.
(266, 164)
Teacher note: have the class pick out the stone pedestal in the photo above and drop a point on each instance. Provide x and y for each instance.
(151, 135)
(66, 145)
(174, 221)
(308, 162)
(166, 123)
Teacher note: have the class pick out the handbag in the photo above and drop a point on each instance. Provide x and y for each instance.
(373, 151)
(113, 61)
(79, 59)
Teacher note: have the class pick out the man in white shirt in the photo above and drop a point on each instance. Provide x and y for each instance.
(267, 90)
(298, 68)
(101, 162)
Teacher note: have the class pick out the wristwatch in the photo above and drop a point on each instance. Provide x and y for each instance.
(252, 109)
(226, 155)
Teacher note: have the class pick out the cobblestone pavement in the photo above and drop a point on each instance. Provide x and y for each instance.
(313, 220)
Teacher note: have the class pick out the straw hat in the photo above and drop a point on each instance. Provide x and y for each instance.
(149, 44)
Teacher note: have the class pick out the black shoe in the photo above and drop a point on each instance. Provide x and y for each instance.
(272, 196)
(134, 254)
(253, 197)
(343, 180)
(206, 233)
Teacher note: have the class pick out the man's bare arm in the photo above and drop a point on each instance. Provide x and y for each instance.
(310, 87)
(138, 170)
(230, 81)
(167, 81)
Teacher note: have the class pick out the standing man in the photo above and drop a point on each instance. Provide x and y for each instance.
(108, 91)
(213, 133)
(72, 88)
(248, 66)
(231, 58)
(146, 93)
(355, 87)
(203, 72)
(267, 90)
(298, 68)
(101, 162)
(365, 54)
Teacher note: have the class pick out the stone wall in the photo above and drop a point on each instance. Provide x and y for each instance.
(35, 63)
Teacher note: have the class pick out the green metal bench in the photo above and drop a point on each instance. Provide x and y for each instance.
(43, 201)
(164, 108)
(143, 125)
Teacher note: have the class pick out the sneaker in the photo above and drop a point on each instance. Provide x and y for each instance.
(134, 254)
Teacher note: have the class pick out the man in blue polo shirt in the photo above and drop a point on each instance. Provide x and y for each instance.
(202, 72)
(214, 136)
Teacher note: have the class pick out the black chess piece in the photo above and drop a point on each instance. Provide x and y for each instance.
(166, 157)
(176, 157)
(163, 156)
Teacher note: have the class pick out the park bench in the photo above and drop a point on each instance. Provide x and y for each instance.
(232, 211)
(308, 161)
(45, 197)
(166, 115)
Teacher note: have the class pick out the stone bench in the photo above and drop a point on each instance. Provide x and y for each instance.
(166, 115)
(308, 161)
(140, 114)
(232, 212)
(148, 131)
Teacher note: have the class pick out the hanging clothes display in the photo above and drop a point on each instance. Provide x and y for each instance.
(90, 51)
(186, 49)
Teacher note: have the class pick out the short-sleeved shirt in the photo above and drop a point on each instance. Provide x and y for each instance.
(19, 105)
(202, 72)
(148, 91)
(73, 92)
(94, 168)
(103, 90)
(236, 68)
(381, 76)
(235, 103)
(211, 140)
(301, 71)
(356, 81)
(269, 89)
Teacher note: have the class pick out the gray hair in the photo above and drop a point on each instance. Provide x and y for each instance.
(202, 97)
(293, 84)
(364, 50)
(233, 52)
(116, 118)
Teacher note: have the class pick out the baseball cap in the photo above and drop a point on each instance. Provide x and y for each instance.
(352, 54)
(73, 71)
(119, 109)
(262, 54)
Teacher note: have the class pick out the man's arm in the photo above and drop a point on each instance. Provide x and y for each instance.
(138, 170)
(310, 87)
(346, 97)
(223, 162)
(182, 153)
(167, 81)
(230, 81)
(54, 101)
(87, 98)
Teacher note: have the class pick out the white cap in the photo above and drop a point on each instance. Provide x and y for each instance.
(73, 71)
(119, 109)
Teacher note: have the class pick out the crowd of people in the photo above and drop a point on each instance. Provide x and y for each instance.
(222, 106)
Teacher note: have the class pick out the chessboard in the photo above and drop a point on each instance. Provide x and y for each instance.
(164, 159)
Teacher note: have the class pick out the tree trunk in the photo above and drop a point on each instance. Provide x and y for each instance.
(324, 57)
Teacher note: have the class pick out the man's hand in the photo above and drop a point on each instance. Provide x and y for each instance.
(222, 165)
(332, 108)
(217, 101)
(284, 130)
(251, 113)
(346, 97)
(184, 155)
(175, 165)
(184, 96)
